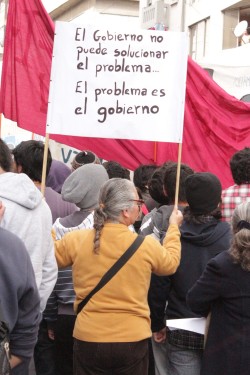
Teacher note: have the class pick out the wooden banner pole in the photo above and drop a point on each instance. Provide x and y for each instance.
(178, 176)
(0, 125)
(45, 157)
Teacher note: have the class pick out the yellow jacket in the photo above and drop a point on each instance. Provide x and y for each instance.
(119, 312)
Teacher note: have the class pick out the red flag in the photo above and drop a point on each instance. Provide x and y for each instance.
(216, 124)
(26, 64)
(26, 76)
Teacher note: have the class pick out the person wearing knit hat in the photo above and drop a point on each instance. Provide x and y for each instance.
(203, 236)
(82, 188)
(203, 193)
(84, 157)
(83, 185)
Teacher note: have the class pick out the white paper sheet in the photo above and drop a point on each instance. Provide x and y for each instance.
(197, 325)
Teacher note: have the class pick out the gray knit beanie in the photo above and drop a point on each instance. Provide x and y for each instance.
(82, 187)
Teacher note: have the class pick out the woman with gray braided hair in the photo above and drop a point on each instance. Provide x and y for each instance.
(224, 290)
(112, 330)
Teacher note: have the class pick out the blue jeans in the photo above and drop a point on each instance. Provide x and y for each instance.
(122, 358)
(183, 361)
(160, 358)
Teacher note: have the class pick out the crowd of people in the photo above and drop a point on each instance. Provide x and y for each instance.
(91, 271)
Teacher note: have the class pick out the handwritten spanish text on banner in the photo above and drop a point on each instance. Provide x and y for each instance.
(117, 84)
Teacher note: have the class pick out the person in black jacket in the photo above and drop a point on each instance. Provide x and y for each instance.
(203, 236)
(224, 289)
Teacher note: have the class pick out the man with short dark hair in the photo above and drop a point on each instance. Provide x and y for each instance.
(6, 162)
(28, 216)
(157, 223)
(116, 170)
(28, 159)
(240, 192)
(142, 175)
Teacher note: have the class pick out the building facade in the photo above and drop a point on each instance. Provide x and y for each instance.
(210, 24)
(104, 11)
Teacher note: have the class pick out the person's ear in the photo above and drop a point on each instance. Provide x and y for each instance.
(16, 168)
(125, 213)
(19, 169)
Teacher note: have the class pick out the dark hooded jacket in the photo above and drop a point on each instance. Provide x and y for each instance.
(200, 243)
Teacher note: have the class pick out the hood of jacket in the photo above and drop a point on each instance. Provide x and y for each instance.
(160, 220)
(157, 222)
(205, 234)
(20, 189)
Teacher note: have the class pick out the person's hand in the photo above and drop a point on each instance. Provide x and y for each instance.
(2, 209)
(160, 336)
(176, 217)
(15, 361)
(51, 334)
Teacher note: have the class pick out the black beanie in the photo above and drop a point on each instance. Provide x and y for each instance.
(84, 157)
(203, 192)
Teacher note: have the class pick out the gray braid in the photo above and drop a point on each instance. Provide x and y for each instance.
(115, 195)
(99, 219)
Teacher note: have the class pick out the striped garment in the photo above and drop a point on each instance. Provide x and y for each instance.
(63, 293)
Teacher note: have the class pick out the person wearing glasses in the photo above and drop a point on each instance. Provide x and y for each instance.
(112, 330)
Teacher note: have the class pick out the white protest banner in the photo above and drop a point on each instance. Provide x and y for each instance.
(117, 84)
